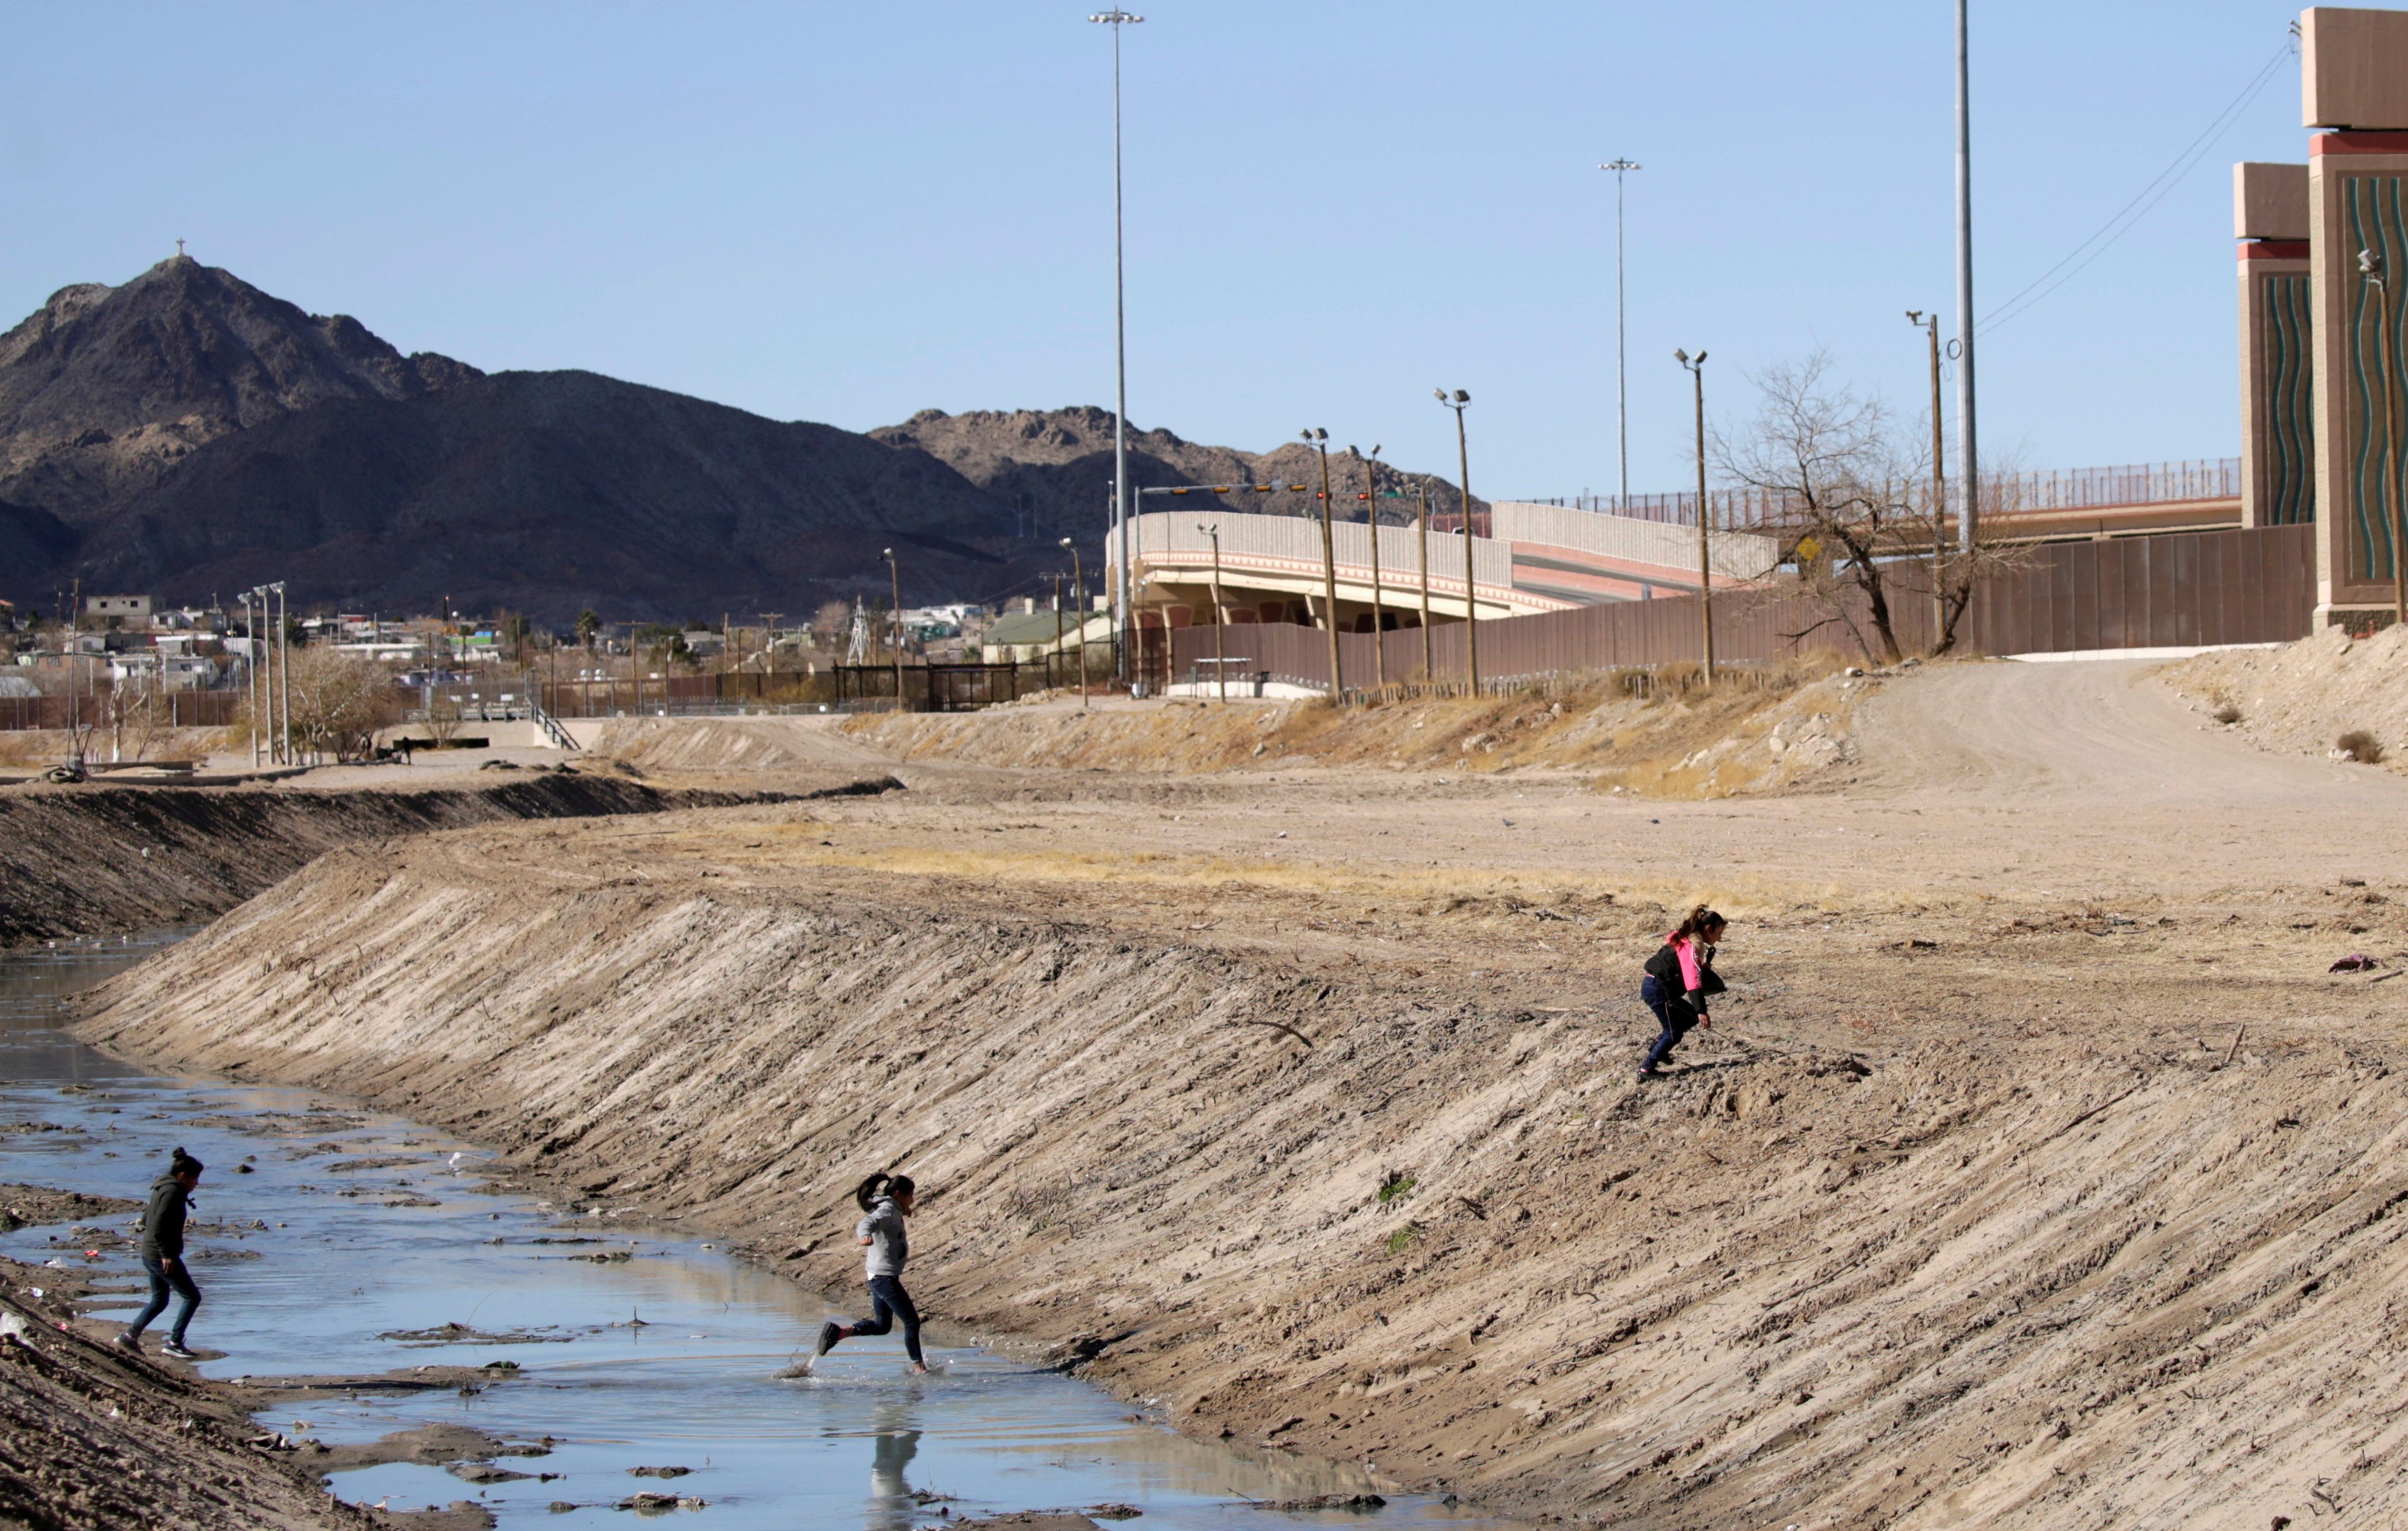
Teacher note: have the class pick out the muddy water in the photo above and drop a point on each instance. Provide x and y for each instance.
(353, 1227)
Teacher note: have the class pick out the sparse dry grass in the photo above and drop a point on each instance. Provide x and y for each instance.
(1636, 729)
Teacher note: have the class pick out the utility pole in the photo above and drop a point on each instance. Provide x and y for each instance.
(1079, 598)
(1470, 586)
(283, 671)
(1930, 324)
(1057, 630)
(1621, 411)
(894, 584)
(1371, 498)
(2370, 267)
(251, 666)
(1421, 528)
(1969, 462)
(1317, 439)
(1220, 617)
(1696, 369)
(1117, 18)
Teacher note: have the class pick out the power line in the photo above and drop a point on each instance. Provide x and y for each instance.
(2138, 208)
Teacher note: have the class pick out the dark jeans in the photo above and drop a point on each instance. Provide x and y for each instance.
(1673, 1012)
(163, 1280)
(888, 1302)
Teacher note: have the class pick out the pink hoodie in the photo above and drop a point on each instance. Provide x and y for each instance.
(1687, 950)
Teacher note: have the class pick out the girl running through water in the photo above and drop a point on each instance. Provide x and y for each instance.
(1680, 980)
(885, 1201)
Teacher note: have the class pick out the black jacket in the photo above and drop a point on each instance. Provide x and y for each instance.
(162, 1221)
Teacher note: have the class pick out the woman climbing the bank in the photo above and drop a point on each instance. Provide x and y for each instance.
(885, 1202)
(163, 1256)
(1679, 979)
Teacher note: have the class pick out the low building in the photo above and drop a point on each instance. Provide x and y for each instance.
(1027, 636)
(117, 610)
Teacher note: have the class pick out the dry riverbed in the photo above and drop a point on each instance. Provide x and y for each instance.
(2037, 1171)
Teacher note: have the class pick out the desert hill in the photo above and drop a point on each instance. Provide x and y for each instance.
(1055, 466)
(188, 434)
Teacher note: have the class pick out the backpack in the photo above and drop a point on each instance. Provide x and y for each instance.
(1665, 969)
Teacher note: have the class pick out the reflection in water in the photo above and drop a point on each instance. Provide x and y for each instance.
(368, 1209)
(891, 1507)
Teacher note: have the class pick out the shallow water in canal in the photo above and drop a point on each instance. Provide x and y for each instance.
(355, 1224)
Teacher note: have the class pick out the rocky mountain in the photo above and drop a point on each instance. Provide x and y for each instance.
(1053, 467)
(189, 435)
(103, 389)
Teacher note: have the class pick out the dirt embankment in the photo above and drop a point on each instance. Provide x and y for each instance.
(1998, 1216)
(93, 1439)
(2306, 698)
(1663, 735)
(79, 861)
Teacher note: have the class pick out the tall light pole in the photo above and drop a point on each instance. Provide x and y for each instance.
(1220, 658)
(283, 672)
(1457, 402)
(1079, 598)
(1371, 498)
(894, 584)
(1969, 462)
(1116, 19)
(248, 598)
(1421, 530)
(1317, 439)
(1930, 324)
(1621, 412)
(2370, 267)
(1696, 366)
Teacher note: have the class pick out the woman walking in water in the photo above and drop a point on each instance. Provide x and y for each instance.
(885, 1202)
(1679, 979)
(163, 1256)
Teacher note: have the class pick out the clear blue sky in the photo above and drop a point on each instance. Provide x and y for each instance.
(849, 212)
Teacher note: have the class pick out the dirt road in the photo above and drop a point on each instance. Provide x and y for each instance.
(2038, 1174)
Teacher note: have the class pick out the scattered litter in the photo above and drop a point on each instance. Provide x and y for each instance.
(658, 1472)
(2357, 961)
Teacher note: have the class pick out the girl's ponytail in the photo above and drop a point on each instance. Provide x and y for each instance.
(882, 1184)
(1699, 921)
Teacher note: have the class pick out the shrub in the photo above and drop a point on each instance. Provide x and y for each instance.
(1403, 1236)
(2360, 745)
(2226, 714)
(1394, 1187)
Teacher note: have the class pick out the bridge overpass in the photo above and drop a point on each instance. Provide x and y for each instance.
(1531, 556)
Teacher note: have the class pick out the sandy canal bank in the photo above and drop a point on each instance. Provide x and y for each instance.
(1917, 1238)
(91, 859)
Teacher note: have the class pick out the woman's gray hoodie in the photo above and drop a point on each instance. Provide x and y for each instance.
(883, 1228)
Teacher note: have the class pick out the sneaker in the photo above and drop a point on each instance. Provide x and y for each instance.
(1647, 1074)
(128, 1341)
(176, 1349)
(829, 1333)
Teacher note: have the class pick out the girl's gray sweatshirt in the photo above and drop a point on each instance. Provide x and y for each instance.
(883, 1228)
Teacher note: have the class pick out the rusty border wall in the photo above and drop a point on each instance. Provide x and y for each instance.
(2251, 585)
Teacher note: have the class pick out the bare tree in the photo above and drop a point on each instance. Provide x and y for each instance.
(1844, 475)
(1961, 570)
(339, 702)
